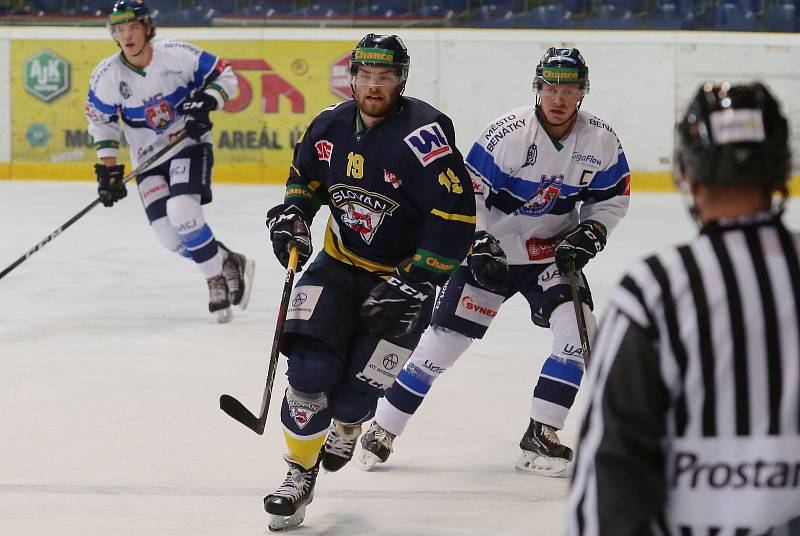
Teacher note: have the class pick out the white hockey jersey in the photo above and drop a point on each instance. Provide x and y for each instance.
(531, 190)
(146, 100)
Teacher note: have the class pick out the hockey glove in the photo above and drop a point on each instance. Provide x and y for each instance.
(393, 308)
(110, 185)
(487, 262)
(196, 109)
(582, 244)
(286, 224)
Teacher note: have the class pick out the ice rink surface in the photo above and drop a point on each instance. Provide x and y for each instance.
(111, 369)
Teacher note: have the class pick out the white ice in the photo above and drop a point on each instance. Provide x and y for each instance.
(111, 369)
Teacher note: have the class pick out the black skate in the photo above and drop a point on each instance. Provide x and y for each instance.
(542, 452)
(287, 505)
(339, 445)
(238, 273)
(376, 445)
(218, 302)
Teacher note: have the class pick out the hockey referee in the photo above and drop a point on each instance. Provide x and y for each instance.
(693, 423)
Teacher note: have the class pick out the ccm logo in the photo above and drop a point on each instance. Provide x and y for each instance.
(470, 305)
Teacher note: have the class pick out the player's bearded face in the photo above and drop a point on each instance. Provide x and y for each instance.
(132, 37)
(559, 102)
(377, 90)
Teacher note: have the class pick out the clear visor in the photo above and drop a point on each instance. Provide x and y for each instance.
(379, 76)
(551, 89)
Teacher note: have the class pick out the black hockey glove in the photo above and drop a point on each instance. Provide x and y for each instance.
(286, 224)
(196, 109)
(582, 244)
(110, 186)
(487, 262)
(393, 308)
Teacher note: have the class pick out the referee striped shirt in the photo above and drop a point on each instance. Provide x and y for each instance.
(692, 423)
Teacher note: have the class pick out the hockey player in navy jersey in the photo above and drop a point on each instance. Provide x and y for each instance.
(551, 183)
(402, 216)
(157, 90)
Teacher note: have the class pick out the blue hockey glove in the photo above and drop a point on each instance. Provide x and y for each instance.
(582, 244)
(393, 308)
(286, 224)
(196, 109)
(487, 262)
(110, 186)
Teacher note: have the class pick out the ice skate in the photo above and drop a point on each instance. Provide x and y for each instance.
(218, 302)
(376, 445)
(339, 445)
(542, 452)
(238, 271)
(287, 505)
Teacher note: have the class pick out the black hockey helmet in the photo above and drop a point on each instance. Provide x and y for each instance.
(128, 11)
(562, 66)
(380, 50)
(732, 134)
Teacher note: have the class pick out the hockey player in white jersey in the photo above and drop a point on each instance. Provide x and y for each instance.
(156, 91)
(551, 182)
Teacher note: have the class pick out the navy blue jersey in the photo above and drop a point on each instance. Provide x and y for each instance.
(398, 192)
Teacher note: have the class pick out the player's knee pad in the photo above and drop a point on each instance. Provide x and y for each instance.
(313, 367)
(185, 214)
(564, 325)
(437, 350)
(168, 236)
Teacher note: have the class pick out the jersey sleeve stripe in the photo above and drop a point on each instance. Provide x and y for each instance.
(100, 105)
(611, 176)
(453, 217)
(205, 68)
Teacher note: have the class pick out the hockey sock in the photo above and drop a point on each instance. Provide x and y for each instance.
(306, 418)
(186, 216)
(562, 371)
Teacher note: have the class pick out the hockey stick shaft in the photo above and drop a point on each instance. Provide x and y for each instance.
(574, 286)
(232, 406)
(138, 171)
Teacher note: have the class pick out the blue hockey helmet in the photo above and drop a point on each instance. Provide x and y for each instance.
(129, 11)
(562, 66)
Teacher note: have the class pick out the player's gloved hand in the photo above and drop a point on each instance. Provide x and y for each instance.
(582, 244)
(487, 262)
(393, 308)
(196, 109)
(110, 186)
(286, 224)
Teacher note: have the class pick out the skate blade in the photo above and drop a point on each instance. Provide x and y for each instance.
(224, 315)
(365, 460)
(278, 523)
(249, 271)
(536, 464)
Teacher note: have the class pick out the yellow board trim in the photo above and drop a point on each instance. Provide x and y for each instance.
(453, 217)
(641, 181)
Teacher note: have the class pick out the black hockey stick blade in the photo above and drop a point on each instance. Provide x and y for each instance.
(233, 407)
(237, 411)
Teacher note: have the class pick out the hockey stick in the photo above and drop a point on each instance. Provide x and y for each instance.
(138, 171)
(574, 285)
(233, 407)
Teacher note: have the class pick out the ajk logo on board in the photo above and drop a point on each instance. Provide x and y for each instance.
(46, 75)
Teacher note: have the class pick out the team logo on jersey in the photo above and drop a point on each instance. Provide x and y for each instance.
(125, 90)
(362, 211)
(428, 143)
(158, 113)
(545, 198)
(391, 178)
(324, 150)
(530, 158)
